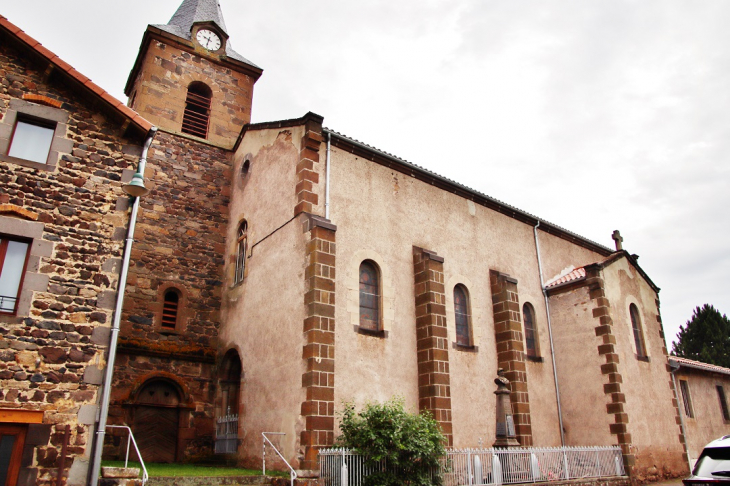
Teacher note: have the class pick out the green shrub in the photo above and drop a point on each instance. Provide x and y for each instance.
(411, 444)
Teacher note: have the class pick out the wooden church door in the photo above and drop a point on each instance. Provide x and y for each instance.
(156, 421)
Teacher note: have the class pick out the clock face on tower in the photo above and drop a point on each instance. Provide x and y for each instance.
(208, 39)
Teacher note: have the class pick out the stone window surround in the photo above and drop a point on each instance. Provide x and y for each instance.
(182, 308)
(19, 109)
(33, 280)
(476, 314)
(387, 293)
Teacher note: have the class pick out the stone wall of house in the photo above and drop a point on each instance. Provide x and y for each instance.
(52, 353)
(179, 245)
(704, 421)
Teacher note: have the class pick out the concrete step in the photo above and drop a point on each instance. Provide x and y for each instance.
(229, 481)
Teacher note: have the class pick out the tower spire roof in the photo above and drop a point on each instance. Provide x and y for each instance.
(191, 12)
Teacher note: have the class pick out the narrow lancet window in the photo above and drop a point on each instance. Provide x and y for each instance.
(369, 296)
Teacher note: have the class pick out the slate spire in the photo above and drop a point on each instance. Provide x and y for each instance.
(194, 11)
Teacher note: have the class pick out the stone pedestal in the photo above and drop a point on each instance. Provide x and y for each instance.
(506, 436)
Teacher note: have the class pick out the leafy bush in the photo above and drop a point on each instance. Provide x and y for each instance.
(411, 444)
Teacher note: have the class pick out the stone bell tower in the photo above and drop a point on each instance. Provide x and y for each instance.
(187, 78)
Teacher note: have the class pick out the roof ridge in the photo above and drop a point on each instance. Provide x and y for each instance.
(83, 81)
(465, 188)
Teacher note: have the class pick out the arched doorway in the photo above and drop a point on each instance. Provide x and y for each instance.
(229, 378)
(229, 399)
(155, 421)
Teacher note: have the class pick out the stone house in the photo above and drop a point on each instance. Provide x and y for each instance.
(65, 146)
(703, 401)
(280, 269)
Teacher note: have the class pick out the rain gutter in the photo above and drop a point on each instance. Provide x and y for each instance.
(550, 334)
(109, 372)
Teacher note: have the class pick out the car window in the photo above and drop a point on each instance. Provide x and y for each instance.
(713, 462)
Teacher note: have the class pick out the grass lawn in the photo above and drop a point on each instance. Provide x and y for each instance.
(187, 470)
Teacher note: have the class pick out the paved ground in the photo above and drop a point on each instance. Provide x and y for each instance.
(670, 482)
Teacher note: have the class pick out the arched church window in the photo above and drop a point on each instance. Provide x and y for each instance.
(197, 110)
(636, 327)
(532, 347)
(170, 309)
(462, 317)
(369, 296)
(242, 246)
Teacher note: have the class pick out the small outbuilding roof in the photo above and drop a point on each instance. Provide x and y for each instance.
(698, 365)
(563, 277)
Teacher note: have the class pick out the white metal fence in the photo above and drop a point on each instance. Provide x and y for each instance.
(226, 434)
(342, 467)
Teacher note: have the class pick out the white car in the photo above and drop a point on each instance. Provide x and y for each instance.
(713, 466)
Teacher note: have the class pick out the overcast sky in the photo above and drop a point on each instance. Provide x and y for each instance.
(594, 115)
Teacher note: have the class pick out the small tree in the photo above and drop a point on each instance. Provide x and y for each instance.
(411, 444)
(705, 338)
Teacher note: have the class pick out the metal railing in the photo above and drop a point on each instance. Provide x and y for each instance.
(130, 439)
(292, 472)
(342, 467)
(226, 434)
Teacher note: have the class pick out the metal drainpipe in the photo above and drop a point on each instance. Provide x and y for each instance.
(328, 162)
(550, 334)
(679, 409)
(104, 403)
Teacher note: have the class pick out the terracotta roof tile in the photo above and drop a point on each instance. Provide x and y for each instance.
(69, 70)
(575, 274)
(80, 77)
(690, 363)
(9, 25)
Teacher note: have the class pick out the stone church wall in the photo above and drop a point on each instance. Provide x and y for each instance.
(263, 315)
(653, 423)
(179, 245)
(52, 353)
(380, 214)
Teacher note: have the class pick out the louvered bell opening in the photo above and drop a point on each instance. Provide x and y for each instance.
(169, 310)
(197, 115)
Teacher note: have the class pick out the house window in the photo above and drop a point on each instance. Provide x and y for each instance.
(242, 246)
(170, 309)
(723, 403)
(197, 110)
(462, 316)
(32, 140)
(686, 400)
(532, 346)
(34, 135)
(369, 296)
(636, 326)
(13, 261)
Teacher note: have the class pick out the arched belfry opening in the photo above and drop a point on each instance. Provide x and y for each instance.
(156, 419)
(196, 117)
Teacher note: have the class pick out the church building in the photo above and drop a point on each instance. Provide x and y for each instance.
(282, 269)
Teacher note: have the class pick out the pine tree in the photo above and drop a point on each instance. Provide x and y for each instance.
(706, 337)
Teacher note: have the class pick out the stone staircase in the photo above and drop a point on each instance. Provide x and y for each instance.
(120, 476)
